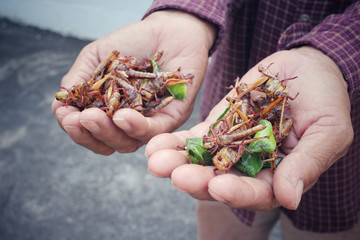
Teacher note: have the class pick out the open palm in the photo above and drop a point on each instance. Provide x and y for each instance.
(321, 134)
(170, 31)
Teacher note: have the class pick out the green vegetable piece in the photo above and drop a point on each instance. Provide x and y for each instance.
(197, 153)
(223, 114)
(156, 68)
(250, 164)
(178, 91)
(265, 145)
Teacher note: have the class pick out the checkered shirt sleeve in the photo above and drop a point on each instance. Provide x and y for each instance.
(338, 36)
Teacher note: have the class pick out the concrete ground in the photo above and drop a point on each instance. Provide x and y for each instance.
(51, 188)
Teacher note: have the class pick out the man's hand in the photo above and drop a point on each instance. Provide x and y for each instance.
(321, 134)
(171, 31)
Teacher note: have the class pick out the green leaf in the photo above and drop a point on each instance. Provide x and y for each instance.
(250, 164)
(197, 153)
(223, 114)
(265, 145)
(178, 91)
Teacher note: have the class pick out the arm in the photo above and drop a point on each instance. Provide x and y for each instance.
(318, 121)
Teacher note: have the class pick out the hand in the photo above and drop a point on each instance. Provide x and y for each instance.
(321, 134)
(171, 31)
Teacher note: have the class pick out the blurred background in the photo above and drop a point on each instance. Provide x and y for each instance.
(51, 188)
(84, 19)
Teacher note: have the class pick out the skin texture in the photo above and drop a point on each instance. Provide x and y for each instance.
(321, 115)
(128, 130)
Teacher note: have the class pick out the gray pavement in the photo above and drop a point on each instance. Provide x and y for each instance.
(51, 188)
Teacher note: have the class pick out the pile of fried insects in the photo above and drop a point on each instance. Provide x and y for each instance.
(125, 82)
(249, 132)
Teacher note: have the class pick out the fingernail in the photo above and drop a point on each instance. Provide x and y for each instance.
(298, 191)
(180, 189)
(123, 124)
(91, 126)
(60, 117)
(216, 197)
(154, 174)
(74, 132)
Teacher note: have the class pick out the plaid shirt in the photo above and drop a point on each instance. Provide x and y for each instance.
(248, 31)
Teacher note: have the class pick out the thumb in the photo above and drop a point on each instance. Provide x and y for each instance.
(319, 147)
(85, 64)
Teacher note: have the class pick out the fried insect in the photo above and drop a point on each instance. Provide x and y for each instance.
(132, 96)
(99, 70)
(220, 140)
(157, 105)
(153, 88)
(256, 127)
(79, 96)
(125, 82)
(226, 158)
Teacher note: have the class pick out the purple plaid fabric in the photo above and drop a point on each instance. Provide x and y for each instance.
(252, 30)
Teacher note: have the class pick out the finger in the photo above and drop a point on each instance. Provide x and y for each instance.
(163, 162)
(71, 124)
(317, 150)
(55, 105)
(175, 141)
(103, 129)
(83, 66)
(135, 125)
(193, 179)
(62, 111)
(164, 153)
(244, 192)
